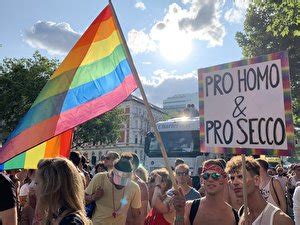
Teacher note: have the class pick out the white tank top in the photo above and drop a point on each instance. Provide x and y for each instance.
(266, 193)
(266, 217)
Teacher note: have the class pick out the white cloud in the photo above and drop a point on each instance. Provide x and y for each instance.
(56, 38)
(197, 20)
(233, 15)
(237, 13)
(158, 86)
(140, 5)
(139, 41)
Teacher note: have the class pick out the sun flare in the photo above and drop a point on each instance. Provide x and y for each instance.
(175, 46)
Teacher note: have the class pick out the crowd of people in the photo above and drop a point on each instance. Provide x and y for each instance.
(119, 191)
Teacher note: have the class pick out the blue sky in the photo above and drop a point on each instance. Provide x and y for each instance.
(169, 40)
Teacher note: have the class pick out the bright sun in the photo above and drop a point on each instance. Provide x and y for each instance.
(175, 46)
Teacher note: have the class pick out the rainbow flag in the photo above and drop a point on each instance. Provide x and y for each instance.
(55, 147)
(93, 78)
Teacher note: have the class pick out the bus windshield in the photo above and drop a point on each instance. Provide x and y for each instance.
(175, 142)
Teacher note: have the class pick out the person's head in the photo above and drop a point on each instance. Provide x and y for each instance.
(234, 170)
(178, 161)
(84, 162)
(100, 167)
(142, 173)
(122, 171)
(279, 170)
(297, 171)
(213, 176)
(75, 158)
(109, 159)
(166, 182)
(271, 172)
(264, 166)
(59, 184)
(182, 174)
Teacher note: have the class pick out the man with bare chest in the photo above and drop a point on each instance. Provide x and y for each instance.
(211, 209)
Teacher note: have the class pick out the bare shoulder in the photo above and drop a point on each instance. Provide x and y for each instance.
(188, 206)
(280, 218)
(276, 182)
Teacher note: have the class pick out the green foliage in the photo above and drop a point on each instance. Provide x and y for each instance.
(103, 129)
(21, 80)
(273, 26)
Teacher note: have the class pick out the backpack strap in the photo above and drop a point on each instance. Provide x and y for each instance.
(194, 210)
(236, 216)
(272, 182)
(241, 211)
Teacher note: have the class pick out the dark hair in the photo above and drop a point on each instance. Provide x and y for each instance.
(100, 164)
(179, 161)
(83, 160)
(263, 164)
(75, 157)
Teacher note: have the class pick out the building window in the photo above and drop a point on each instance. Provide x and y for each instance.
(127, 110)
(141, 140)
(135, 139)
(127, 137)
(122, 136)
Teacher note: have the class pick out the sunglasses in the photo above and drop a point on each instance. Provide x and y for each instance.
(215, 176)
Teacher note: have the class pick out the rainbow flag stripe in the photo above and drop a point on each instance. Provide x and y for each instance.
(93, 78)
(55, 147)
(283, 57)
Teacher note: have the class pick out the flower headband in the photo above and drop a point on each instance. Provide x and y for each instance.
(214, 168)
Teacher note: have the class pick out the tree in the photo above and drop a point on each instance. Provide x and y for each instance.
(21, 80)
(273, 26)
(104, 129)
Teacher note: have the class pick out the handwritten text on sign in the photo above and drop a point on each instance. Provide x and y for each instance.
(244, 107)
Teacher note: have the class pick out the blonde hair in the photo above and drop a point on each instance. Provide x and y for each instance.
(142, 173)
(60, 184)
(235, 164)
(184, 166)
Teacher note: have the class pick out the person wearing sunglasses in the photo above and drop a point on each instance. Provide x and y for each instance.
(260, 212)
(182, 177)
(211, 209)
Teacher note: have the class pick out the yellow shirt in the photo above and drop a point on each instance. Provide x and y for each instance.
(128, 196)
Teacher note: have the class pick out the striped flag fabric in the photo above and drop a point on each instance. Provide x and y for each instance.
(94, 78)
(58, 146)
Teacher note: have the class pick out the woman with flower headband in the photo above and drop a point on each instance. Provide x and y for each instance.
(211, 209)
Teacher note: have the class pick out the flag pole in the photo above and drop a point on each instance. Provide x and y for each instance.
(147, 105)
(245, 197)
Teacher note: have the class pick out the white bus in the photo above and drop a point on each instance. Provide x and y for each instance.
(181, 140)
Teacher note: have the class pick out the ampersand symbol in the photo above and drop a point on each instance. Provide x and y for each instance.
(238, 101)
